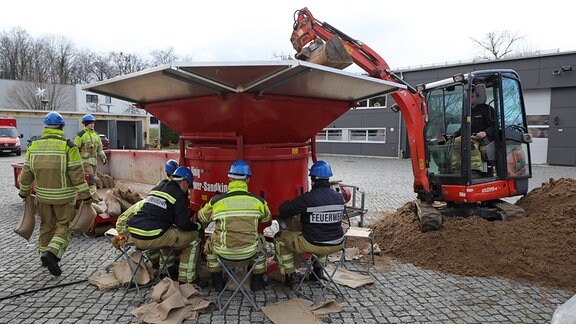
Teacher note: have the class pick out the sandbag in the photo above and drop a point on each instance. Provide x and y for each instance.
(99, 183)
(84, 218)
(109, 180)
(97, 208)
(114, 208)
(104, 179)
(127, 194)
(124, 205)
(122, 270)
(27, 222)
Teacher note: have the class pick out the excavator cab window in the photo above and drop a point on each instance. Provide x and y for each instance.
(444, 119)
(455, 153)
(516, 163)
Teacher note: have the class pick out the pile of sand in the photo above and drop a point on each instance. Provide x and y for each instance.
(539, 249)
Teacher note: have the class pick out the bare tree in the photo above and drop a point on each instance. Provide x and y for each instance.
(61, 55)
(282, 56)
(126, 63)
(497, 45)
(39, 96)
(14, 48)
(133, 109)
(102, 68)
(166, 56)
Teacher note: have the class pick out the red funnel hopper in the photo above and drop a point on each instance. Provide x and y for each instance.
(266, 113)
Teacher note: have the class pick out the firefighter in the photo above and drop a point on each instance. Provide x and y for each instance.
(237, 214)
(53, 164)
(152, 226)
(321, 211)
(90, 146)
(122, 237)
(170, 166)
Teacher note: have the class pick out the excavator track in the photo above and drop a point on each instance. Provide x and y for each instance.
(508, 211)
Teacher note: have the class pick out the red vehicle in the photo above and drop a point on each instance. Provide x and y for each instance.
(444, 180)
(9, 137)
(105, 141)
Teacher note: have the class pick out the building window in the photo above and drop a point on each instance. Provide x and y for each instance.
(329, 135)
(538, 132)
(107, 100)
(334, 134)
(376, 135)
(358, 135)
(153, 120)
(368, 135)
(377, 102)
(91, 98)
(537, 119)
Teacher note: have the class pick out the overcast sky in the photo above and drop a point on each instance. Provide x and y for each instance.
(404, 33)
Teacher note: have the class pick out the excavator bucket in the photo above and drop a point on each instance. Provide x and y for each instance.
(331, 53)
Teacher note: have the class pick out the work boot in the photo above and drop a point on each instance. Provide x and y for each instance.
(172, 272)
(257, 282)
(217, 281)
(200, 283)
(318, 272)
(51, 262)
(291, 280)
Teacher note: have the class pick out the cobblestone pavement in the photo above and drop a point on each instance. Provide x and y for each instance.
(402, 294)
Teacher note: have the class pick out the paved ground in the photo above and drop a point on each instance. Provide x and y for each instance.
(403, 294)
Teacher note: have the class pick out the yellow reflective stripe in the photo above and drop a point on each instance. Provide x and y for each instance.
(55, 194)
(141, 232)
(236, 254)
(202, 213)
(82, 187)
(126, 215)
(74, 163)
(237, 213)
(164, 195)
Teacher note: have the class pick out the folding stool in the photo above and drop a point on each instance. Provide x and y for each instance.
(231, 268)
(311, 259)
(359, 233)
(140, 261)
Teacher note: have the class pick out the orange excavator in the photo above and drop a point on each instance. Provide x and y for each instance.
(458, 169)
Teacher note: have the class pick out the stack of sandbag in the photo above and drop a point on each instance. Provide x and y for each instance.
(119, 199)
(103, 180)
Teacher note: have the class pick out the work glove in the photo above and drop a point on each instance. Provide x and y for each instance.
(119, 240)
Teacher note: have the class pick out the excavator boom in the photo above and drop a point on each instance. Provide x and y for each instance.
(321, 43)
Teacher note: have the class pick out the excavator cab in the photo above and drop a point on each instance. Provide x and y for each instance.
(461, 167)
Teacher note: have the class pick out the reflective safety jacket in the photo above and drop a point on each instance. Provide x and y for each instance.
(90, 146)
(164, 206)
(127, 215)
(236, 215)
(321, 211)
(53, 164)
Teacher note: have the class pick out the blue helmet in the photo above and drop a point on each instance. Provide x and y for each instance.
(53, 119)
(183, 173)
(88, 118)
(321, 170)
(239, 170)
(171, 166)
